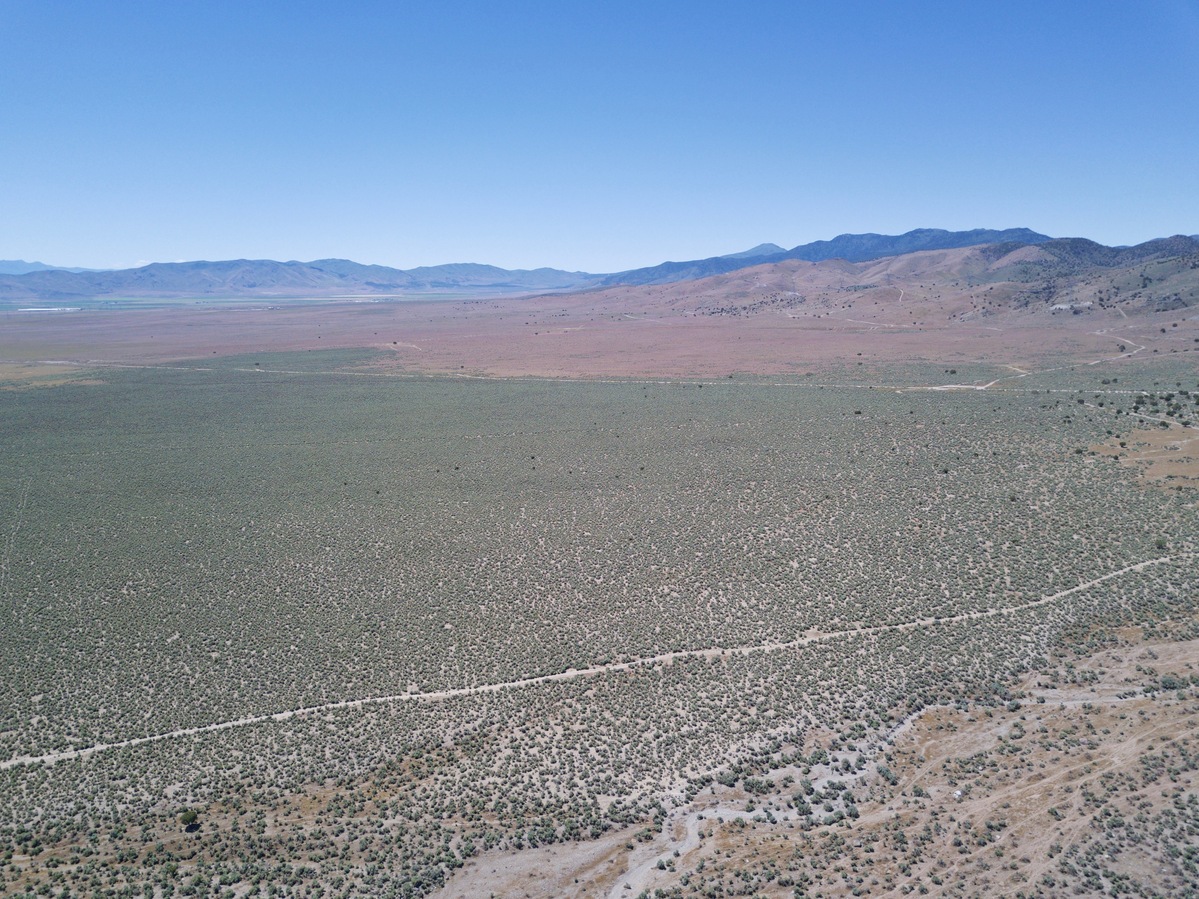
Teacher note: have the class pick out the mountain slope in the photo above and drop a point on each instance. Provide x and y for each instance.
(1057, 277)
(850, 247)
(762, 249)
(865, 247)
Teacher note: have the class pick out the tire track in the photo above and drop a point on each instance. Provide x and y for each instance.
(570, 673)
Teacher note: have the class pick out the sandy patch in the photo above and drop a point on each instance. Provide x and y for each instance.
(23, 375)
(1165, 457)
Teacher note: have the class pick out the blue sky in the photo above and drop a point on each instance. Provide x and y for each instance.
(584, 135)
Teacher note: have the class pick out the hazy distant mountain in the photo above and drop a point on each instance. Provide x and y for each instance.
(1040, 256)
(1068, 276)
(21, 267)
(1068, 255)
(865, 247)
(850, 247)
(474, 275)
(669, 272)
(269, 279)
(762, 249)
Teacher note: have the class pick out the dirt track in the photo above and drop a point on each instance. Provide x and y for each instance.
(569, 674)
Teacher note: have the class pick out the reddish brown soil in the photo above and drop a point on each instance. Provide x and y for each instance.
(1166, 457)
(622, 333)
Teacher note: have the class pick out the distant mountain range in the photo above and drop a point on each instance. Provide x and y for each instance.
(1070, 255)
(762, 249)
(1068, 276)
(850, 247)
(267, 279)
(21, 267)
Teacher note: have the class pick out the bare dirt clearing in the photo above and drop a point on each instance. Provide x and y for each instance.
(1167, 457)
(24, 375)
(1069, 785)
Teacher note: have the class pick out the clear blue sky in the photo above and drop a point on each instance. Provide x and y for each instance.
(584, 135)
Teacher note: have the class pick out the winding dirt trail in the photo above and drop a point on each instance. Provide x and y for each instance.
(1043, 371)
(573, 673)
